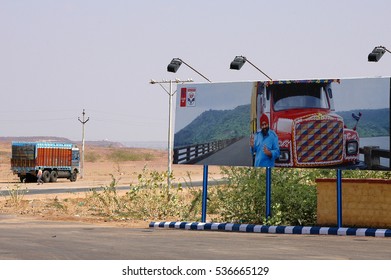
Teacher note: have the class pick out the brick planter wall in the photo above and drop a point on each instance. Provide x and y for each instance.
(365, 202)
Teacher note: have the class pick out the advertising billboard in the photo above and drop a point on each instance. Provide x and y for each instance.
(332, 123)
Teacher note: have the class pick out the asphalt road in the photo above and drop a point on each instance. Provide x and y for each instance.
(23, 238)
(236, 154)
(53, 188)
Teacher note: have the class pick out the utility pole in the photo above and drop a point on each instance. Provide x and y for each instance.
(83, 122)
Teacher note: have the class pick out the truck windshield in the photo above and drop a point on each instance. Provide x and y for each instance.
(298, 96)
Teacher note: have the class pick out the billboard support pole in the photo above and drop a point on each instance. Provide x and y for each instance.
(169, 171)
(268, 191)
(204, 193)
(339, 198)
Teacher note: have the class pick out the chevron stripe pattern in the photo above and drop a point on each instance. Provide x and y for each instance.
(319, 141)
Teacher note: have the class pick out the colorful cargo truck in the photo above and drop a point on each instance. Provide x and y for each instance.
(57, 160)
(302, 114)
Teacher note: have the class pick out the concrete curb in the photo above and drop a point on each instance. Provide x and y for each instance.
(273, 229)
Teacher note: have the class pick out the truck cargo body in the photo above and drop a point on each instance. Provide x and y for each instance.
(56, 160)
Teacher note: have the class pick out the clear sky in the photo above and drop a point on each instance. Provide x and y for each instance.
(60, 57)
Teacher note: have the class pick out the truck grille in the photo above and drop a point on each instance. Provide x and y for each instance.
(318, 142)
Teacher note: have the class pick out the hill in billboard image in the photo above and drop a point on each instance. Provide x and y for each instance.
(217, 119)
(311, 123)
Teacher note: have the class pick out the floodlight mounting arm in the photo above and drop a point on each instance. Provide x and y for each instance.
(384, 48)
(245, 58)
(181, 60)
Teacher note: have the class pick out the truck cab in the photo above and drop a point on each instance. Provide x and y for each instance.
(75, 164)
(302, 114)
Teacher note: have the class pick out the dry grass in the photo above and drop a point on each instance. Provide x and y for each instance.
(102, 164)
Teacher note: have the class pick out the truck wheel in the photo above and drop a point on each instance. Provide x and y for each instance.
(46, 176)
(53, 176)
(22, 179)
(73, 177)
(30, 178)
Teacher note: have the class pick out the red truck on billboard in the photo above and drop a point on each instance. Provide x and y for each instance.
(56, 160)
(301, 112)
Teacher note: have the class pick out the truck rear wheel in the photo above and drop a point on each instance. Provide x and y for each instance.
(53, 176)
(73, 177)
(30, 178)
(46, 176)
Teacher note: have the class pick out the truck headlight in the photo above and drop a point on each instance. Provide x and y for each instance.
(284, 155)
(351, 147)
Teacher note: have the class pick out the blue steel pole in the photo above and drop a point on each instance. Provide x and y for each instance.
(268, 191)
(204, 193)
(339, 198)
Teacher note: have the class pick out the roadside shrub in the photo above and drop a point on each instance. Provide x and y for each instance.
(153, 199)
(16, 194)
(357, 174)
(150, 199)
(107, 202)
(243, 198)
(293, 197)
(240, 199)
(127, 155)
(92, 157)
(365, 174)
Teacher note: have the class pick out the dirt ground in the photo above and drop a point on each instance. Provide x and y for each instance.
(98, 172)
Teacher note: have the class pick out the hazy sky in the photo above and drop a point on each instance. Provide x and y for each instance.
(60, 57)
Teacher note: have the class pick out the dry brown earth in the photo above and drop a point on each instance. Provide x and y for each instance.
(98, 172)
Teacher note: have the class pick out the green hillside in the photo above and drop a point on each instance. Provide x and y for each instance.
(372, 123)
(215, 125)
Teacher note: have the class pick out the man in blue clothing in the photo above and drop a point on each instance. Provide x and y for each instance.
(264, 145)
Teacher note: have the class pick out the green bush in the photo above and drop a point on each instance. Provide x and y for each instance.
(243, 199)
(240, 199)
(150, 199)
(106, 202)
(293, 197)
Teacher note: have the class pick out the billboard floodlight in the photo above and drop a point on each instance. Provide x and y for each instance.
(377, 53)
(177, 62)
(239, 61)
(174, 65)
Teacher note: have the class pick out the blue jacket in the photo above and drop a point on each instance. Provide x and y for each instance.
(271, 142)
